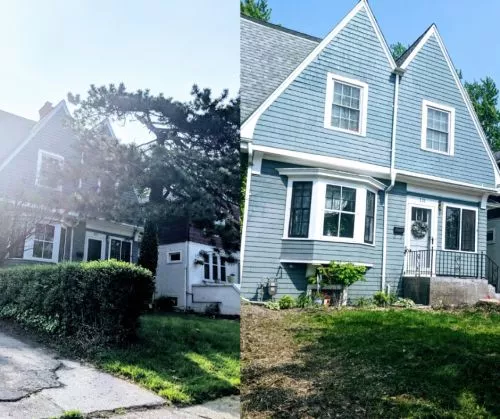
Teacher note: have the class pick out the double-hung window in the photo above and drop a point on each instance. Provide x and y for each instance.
(300, 209)
(346, 104)
(49, 169)
(438, 128)
(340, 208)
(460, 229)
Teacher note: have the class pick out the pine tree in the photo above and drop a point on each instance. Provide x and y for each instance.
(258, 9)
(148, 257)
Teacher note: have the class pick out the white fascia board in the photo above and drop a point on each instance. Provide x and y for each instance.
(302, 158)
(332, 174)
(433, 31)
(248, 127)
(450, 185)
(34, 131)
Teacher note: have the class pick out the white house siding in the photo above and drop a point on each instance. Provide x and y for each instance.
(175, 279)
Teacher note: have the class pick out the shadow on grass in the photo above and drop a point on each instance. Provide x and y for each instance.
(186, 359)
(384, 364)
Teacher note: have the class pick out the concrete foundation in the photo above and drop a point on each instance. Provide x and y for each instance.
(446, 291)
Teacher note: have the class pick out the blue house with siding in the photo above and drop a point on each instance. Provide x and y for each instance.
(29, 152)
(357, 157)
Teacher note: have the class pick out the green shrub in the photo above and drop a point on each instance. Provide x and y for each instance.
(286, 302)
(272, 305)
(94, 302)
(381, 298)
(364, 302)
(344, 274)
(304, 301)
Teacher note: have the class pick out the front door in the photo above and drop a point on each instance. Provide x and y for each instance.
(421, 230)
(95, 246)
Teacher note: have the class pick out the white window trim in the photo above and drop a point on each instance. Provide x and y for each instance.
(42, 153)
(426, 104)
(123, 240)
(169, 254)
(29, 244)
(94, 236)
(363, 106)
(494, 240)
(317, 211)
(443, 233)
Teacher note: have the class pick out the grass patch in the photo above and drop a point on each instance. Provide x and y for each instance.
(370, 363)
(184, 358)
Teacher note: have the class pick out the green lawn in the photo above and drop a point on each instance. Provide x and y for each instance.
(370, 363)
(184, 358)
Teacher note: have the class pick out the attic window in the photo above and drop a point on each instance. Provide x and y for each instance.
(438, 126)
(346, 104)
(48, 171)
(174, 257)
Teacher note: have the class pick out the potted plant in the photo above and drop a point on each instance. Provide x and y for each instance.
(342, 274)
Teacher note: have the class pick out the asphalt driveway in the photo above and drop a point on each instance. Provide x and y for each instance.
(34, 383)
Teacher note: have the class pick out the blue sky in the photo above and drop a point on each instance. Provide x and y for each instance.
(470, 28)
(51, 47)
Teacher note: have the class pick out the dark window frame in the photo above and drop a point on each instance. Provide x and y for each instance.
(459, 228)
(369, 235)
(300, 229)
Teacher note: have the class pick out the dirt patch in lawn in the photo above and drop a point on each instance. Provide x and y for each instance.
(369, 363)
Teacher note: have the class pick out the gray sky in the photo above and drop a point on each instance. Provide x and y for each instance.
(51, 47)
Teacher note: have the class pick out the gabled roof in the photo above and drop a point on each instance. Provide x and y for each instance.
(250, 119)
(269, 53)
(21, 141)
(13, 130)
(405, 61)
(410, 49)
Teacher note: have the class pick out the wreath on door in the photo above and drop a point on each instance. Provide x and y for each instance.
(419, 229)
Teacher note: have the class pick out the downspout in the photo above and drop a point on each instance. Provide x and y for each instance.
(245, 212)
(398, 73)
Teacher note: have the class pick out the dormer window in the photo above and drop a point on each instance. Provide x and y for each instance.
(438, 126)
(48, 172)
(346, 104)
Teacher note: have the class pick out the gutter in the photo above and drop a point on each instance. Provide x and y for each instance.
(398, 73)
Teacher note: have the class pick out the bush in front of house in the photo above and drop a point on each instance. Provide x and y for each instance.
(92, 303)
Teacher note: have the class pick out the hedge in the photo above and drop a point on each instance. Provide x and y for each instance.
(97, 301)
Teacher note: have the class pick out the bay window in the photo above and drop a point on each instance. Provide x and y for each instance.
(330, 206)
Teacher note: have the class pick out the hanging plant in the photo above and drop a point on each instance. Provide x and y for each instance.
(419, 229)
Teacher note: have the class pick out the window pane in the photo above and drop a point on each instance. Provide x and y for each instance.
(38, 249)
(452, 228)
(468, 230)
(348, 199)
(215, 267)
(299, 214)
(47, 250)
(40, 232)
(49, 233)
(437, 130)
(222, 269)
(489, 235)
(127, 250)
(206, 266)
(332, 200)
(370, 217)
(331, 224)
(114, 249)
(346, 225)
